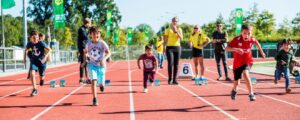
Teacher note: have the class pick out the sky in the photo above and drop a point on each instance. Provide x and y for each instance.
(157, 12)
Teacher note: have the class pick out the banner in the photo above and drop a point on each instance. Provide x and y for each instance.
(238, 20)
(116, 36)
(59, 17)
(6, 4)
(147, 33)
(108, 22)
(129, 36)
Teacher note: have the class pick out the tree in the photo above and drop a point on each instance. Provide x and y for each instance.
(296, 25)
(139, 35)
(251, 16)
(12, 31)
(67, 40)
(40, 10)
(285, 28)
(265, 23)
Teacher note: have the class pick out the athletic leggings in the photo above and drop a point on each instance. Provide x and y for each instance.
(82, 69)
(173, 56)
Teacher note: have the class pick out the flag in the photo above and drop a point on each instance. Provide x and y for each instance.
(59, 17)
(129, 36)
(6, 4)
(238, 20)
(116, 35)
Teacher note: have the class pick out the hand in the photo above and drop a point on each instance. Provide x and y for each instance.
(282, 62)
(155, 70)
(214, 41)
(239, 51)
(44, 60)
(82, 64)
(102, 62)
(139, 67)
(174, 29)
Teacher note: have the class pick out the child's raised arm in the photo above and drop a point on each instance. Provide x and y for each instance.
(260, 49)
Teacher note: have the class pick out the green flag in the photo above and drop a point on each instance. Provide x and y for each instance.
(147, 33)
(59, 17)
(108, 17)
(238, 20)
(129, 36)
(6, 4)
(108, 31)
(116, 35)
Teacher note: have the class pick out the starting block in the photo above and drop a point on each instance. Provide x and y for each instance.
(200, 81)
(157, 82)
(253, 80)
(53, 84)
(62, 83)
(297, 80)
(107, 82)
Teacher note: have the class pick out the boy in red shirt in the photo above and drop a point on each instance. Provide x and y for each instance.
(150, 66)
(241, 46)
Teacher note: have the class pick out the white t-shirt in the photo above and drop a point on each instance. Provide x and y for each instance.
(96, 51)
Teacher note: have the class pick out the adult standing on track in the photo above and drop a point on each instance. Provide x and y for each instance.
(160, 49)
(81, 42)
(241, 46)
(219, 41)
(172, 38)
(197, 42)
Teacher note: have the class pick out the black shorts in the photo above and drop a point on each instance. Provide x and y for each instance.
(238, 71)
(197, 52)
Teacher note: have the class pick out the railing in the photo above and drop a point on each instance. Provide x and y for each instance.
(11, 59)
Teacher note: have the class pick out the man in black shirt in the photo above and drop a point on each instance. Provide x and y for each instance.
(219, 41)
(81, 41)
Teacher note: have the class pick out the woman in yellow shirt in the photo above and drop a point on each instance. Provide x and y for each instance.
(197, 42)
(160, 49)
(172, 38)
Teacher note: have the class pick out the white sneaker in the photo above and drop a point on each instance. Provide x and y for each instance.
(145, 90)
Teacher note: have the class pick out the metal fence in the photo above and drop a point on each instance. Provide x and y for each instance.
(12, 59)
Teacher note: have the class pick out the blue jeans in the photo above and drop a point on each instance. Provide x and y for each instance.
(286, 73)
(160, 58)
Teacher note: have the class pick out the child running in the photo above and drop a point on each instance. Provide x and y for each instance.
(150, 66)
(98, 52)
(38, 59)
(241, 46)
(283, 58)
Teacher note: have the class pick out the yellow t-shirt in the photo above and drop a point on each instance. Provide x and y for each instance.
(173, 39)
(198, 38)
(159, 46)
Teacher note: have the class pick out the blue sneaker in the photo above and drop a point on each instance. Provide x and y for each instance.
(233, 94)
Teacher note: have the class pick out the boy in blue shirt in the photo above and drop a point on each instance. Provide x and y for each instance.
(38, 59)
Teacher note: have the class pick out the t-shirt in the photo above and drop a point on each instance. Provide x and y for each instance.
(173, 39)
(96, 51)
(246, 58)
(282, 55)
(160, 46)
(36, 50)
(148, 61)
(197, 39)
(220, 47)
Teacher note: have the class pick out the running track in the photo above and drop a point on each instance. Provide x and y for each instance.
(124, 99)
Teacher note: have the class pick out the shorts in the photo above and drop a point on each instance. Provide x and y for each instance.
(38, 66)
(238, 71)
(97, 73)
(197, 52)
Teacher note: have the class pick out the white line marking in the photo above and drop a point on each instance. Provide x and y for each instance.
(266, 96)
(31, 87)
(202, 99)
(56, 103)
(132, 114)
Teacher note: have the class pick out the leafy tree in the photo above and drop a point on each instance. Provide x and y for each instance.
(285, 28)
(265, 23)
(67, 40)
(296, 25)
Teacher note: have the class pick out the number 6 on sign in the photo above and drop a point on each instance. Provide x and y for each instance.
(186, 71)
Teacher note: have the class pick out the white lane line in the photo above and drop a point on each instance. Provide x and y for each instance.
(56, 103)
(131, 101)
(48, 73)
(204, 100)
(62, 99)
(266, 96)
(31, 87)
